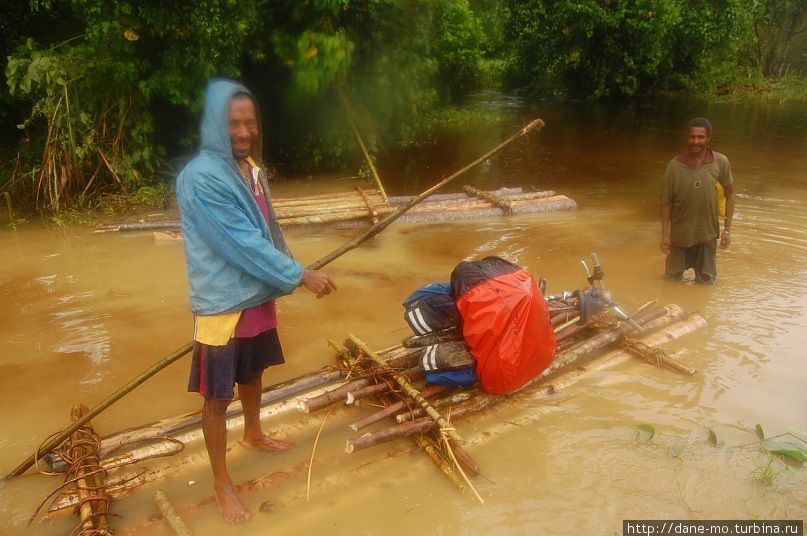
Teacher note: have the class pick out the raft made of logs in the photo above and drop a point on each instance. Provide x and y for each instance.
(409, 407)
(364, 207)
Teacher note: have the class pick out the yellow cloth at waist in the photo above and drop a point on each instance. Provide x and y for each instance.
(215, 330)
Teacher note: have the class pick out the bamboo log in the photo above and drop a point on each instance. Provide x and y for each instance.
(352, 397)
(446, 468)
(495, 200)
(141, 226)
(287, 216)
(370, 209)
(395, 407)
(89, 482)
(452, 399)
(170, 515)
(388, 434)
(316, 403)
(411, 391)
(349, 113)
(439, 198)
(656, 356)
(351, 198)
(286, 201)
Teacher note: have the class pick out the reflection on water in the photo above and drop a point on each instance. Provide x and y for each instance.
(83, 313)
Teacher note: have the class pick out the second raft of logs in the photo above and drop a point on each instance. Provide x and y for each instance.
(360, 207)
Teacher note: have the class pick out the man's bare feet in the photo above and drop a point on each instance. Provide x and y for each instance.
(230, 507)
(264, 442)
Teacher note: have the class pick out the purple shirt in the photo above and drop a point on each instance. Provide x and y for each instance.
(263, 317)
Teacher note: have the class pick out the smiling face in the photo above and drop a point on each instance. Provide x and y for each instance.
(243, 125)
(697, 140)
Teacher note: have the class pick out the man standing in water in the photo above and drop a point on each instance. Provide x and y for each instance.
(690, 207)
(238, 263)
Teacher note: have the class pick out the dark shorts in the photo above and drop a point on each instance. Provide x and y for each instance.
(701, 257)
(216, 369)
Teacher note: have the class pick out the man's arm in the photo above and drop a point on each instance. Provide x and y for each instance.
(725, 236)
(666, 214)
(232, 235)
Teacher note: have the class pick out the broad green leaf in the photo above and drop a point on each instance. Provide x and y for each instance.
(788, 450)
(647, 428)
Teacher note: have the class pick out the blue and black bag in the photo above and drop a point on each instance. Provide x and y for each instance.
(431, 309)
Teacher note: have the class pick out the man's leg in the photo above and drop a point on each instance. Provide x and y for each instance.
(706, 263)
(675, 264)
(250, 394)
(214, 426)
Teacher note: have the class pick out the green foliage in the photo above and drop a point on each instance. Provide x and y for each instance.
(87, 141)
(780, 27)
(594, 49)
(100, 99)
(457, 48)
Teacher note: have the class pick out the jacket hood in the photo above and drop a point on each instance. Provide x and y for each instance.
(215, 132)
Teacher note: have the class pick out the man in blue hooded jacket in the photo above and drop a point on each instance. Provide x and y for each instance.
(238, 263)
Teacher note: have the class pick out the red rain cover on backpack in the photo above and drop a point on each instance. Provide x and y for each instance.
(505, 323)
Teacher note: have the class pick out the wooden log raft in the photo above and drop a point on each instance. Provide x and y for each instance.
(654, 318)
(544, 386)
(353, 208)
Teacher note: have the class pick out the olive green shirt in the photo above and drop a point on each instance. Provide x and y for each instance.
(691, 193)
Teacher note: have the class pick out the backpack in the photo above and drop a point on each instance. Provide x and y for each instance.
(431, 309)
(505, 322)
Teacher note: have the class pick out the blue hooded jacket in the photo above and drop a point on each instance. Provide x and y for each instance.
(234, 259)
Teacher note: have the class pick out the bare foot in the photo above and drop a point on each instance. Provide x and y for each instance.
(264, 442)
(230, 507)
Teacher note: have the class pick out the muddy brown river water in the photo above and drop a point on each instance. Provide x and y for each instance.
(83, 313)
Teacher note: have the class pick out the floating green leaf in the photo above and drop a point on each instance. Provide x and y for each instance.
(647, 428)
(712, 437)
(760, 432)
(788, 450)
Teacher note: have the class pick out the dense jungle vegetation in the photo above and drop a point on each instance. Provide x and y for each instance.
(102, 98)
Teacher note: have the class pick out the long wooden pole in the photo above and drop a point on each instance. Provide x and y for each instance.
(348, 246)
(108, 401)
(349, 114)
